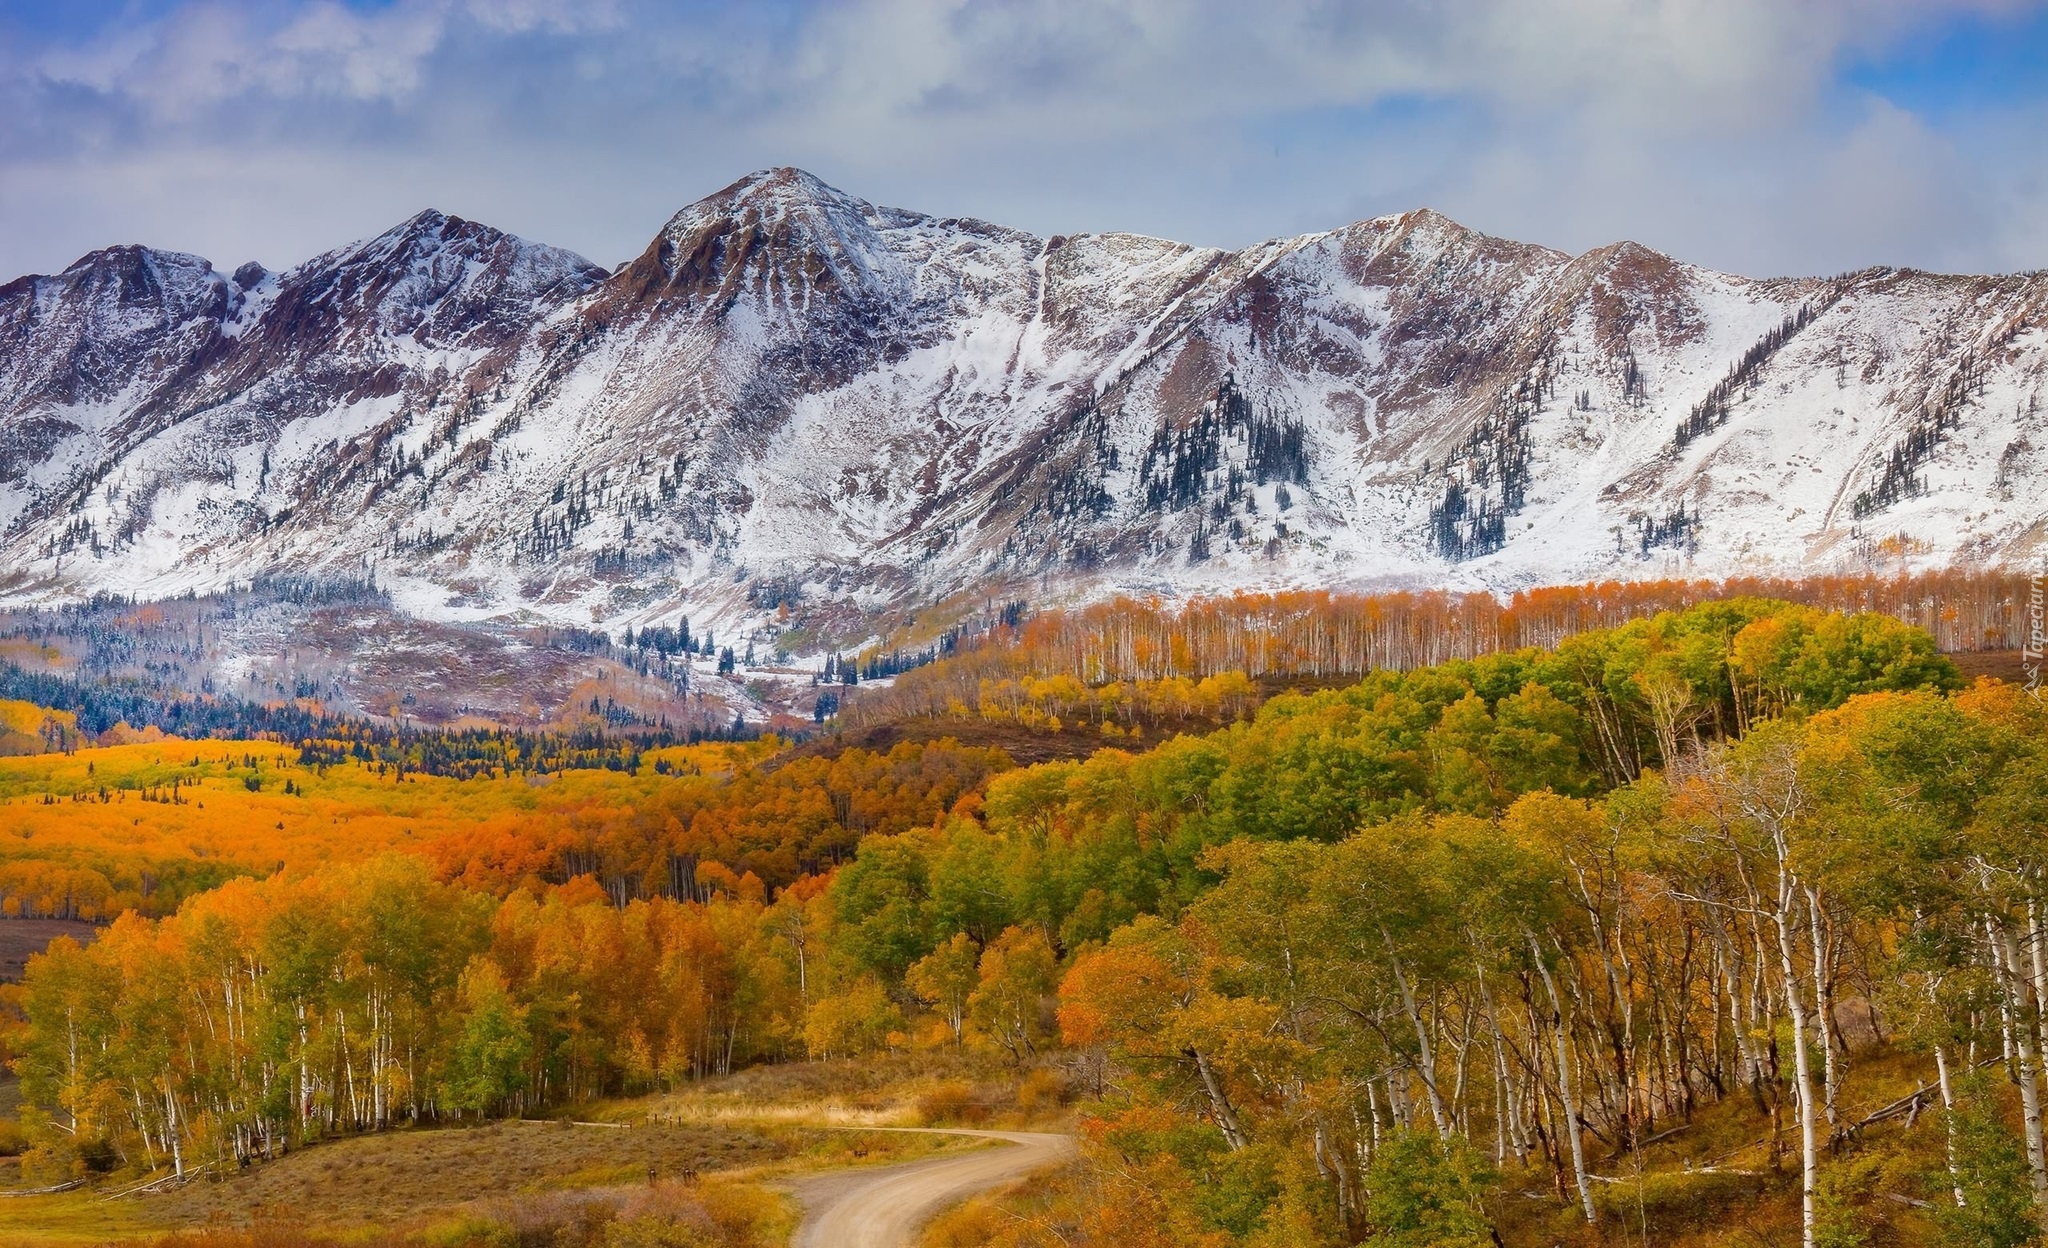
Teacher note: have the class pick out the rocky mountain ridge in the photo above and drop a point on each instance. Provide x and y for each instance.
(796, 408)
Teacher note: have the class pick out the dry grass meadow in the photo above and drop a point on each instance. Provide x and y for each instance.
(709, 1156)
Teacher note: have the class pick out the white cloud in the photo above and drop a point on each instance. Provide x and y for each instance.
(1715, 129)
(209, 54)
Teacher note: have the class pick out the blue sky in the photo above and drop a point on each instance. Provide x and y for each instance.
(1758, 136)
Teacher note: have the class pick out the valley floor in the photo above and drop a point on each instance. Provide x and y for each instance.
(749, 1154)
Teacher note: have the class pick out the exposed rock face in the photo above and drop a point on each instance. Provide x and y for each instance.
(794, 399)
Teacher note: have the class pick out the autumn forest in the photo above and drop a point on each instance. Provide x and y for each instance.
(1670, 913)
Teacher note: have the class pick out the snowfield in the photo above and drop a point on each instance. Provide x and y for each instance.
(796, 407)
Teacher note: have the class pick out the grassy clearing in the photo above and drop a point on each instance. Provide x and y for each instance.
(503, 1184)
(78, 1217)
(21, 939)
(400, 1177)
(926, 1089)
(708, 1157)
(717, 1213)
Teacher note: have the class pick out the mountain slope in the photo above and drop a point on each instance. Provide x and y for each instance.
(796, 406)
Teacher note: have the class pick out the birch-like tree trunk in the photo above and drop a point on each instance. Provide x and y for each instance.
(1565, 1090)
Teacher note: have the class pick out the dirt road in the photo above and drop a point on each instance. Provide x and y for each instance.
(884, 1207)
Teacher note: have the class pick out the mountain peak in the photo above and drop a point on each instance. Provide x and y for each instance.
(781, 194)
(789, 183)
(133, 256)
(1429, 218)
(781, 229)
(441, 274)
(1427, 236)
(426, 219)
(130, 280)
(1626, 254)
(427, 230)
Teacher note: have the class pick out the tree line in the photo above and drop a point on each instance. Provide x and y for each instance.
(1323, 635)
(269, 1013)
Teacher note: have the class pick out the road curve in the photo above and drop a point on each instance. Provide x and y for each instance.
(885, 1207)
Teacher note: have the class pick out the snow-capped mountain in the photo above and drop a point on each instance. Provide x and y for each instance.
(797, 404)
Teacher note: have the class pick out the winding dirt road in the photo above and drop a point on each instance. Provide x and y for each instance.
(884, 1207)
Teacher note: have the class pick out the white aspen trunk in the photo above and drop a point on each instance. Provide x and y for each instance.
(142, 1126)
(2030, 1072)
(1500, 1110)
(171, 1131)
(1507, 1130)
(1565, 1091)
(1758, 989)
(1948, 1106)
(1428, 1057)
(1739, 1024)
(1635, 1087)
(377, 1023)
(2005, 1023)
(1614, 960)
(1460, 1116)
(803, 980)
(2035, 936)
(348, 1068)
(1822, 997)
(1372, 1102)
(1330, 1170)
(1802, 1077)
(1219, 1102)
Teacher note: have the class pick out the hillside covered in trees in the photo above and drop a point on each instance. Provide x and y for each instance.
(1724, 918)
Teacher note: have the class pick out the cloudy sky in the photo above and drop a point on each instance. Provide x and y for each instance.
(1759, 136)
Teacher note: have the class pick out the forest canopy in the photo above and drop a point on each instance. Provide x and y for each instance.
(1340, 963)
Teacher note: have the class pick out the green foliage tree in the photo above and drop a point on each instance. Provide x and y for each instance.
(856, 1017)
(946, 979)
(487, 1068)
(883, 904)
(1425, 1191)
(1997, 1207)
(1016, 975)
